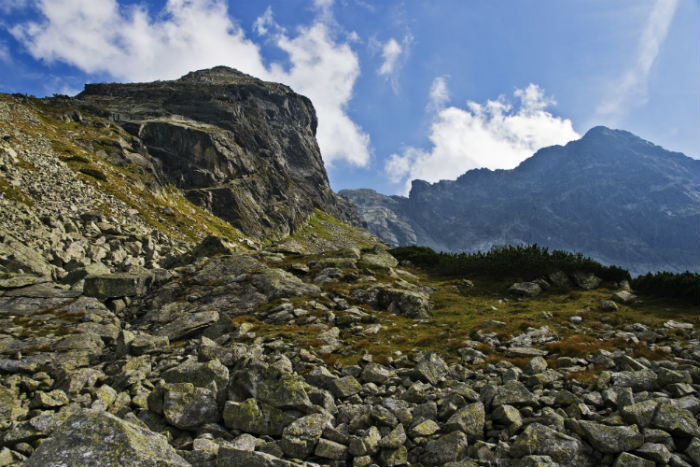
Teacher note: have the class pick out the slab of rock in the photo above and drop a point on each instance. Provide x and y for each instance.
(538, 439)
(187, 324)
(470, 419)
(108, 286)
(675, 420)
(611, 439)
(93, 438)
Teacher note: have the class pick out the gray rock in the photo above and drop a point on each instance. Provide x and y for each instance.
(330, 449)
(513, 393)
(376, 373)
(630, 460)
(538, 439)
(253, 417)
(470, 419)
(344, 387)
(117, 285)
(187, 324)
(394, 457)
(525, 289)
(693, 451)
(611, 439)
(586, 280)
(657, 452)
(640, 413)
(299, 438)
(188, 407)
(447, 448)
(367, 444)
(231, 457)
(675, 420)
(97, 439)
(431, 368)
(608, 305)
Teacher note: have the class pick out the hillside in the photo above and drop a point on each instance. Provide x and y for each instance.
(610, 195)
(180, 287)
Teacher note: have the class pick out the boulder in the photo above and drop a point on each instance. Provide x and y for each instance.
(93, 438)
(525, 289)
(109, 286)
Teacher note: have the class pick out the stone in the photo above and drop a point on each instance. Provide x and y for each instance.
(537, 439)
(623, 296)
(187, 324)
(537, 461)
(273, 386)
(98, 439)
(525, 289)
(48, 400)
(255, 417)
(202, 375)
(424, 428)
(108, 286)
(394, 439)
(394, 457)
(188, 407)
(639, 413)
(507, 415)
(657, 452)
(11, 407)
(232, 457)
(693, 451)
(431, 369)
(611, 439)
(447, 448)
(344, 387)
(402, 302)
(513, 393)
(330, 449)
(365, 445)
(536, 365)
(299, 438)
(470, 419)
(675, 420)
(608, 305)
(586, 280)
(376, 373)
(630, 460)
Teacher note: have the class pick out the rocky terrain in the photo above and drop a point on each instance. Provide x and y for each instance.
(138, 328)
(610, 195)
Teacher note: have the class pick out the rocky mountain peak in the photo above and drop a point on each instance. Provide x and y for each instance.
(240, 147)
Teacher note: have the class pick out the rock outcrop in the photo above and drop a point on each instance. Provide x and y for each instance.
(242, 148)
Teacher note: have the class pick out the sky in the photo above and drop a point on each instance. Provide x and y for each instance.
(403, 89)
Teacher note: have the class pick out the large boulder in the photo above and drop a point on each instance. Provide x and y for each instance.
(92, 438)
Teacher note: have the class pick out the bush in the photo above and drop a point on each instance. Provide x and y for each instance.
(685, 286)
(80, 159)
(507, 262)
(94, 173)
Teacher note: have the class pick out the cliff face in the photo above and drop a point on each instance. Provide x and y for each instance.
(610, 195)
(242, 148)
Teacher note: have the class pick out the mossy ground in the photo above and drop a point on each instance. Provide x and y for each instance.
(85, 147)
(457, 314)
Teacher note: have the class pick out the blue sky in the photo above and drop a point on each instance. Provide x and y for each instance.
(403, 89)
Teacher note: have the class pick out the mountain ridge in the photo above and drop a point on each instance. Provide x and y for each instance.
(610, 195)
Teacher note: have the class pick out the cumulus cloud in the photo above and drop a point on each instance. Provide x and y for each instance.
(495, 135)
(630, 90)
(394, 55)
(126, 42)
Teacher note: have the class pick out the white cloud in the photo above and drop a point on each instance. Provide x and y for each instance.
(390, 53)
(102, 36)
(5, 53)
(630, 90)
(9, 5)
(394, 56)
(439, 94)
(494, 135)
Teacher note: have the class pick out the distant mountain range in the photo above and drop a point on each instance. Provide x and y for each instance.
(610, 195)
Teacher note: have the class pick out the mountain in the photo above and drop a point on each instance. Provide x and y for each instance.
(610, 195)
(131, 175)
(180, 288)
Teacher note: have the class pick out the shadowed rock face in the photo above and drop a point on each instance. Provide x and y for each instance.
(243, 148)
(610, 195)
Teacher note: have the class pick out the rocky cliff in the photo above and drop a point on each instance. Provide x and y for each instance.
(242, 148)
(611, 196)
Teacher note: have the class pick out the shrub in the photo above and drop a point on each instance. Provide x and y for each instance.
(507, 262)
(685, 286)
(94, 173)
